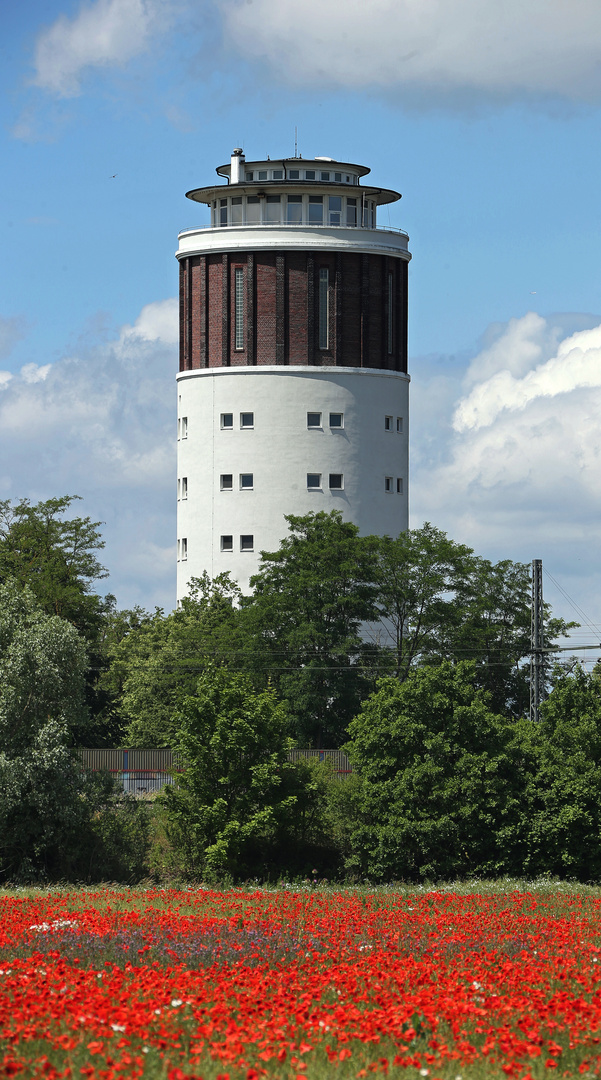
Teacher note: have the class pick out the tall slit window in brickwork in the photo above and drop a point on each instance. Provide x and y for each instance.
(239, 306)
(390, 297)
(324, 296)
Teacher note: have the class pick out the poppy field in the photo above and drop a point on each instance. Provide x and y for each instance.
(300, 983)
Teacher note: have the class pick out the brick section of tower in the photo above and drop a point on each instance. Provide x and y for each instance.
(281, 309)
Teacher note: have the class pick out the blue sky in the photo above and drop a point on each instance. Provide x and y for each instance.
(485, 116)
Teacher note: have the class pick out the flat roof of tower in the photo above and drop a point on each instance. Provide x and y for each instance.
(339, 176)
(295, 163)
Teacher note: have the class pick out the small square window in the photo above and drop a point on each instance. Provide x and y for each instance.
(324, 176)
(336, 481)
(184, 487)
(388, 483)
(310, 174)
(388, 423)
(313, 480)
(337, 177)
(247, 419)
(399, 423)
(336, 419)
(399, 486)
(247, 543)
(227, 543)
(262, 174)
(293, 174)
(313, 419)
(227, 420)
(277, 174)
(246, 481)
(184, 427)
(184, 549)
(226, 481)
(249, 176)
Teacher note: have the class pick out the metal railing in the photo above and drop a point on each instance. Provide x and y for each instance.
(143, 772)
(293, 225)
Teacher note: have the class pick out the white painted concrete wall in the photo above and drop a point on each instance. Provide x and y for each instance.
(293, 238)
(279, 451)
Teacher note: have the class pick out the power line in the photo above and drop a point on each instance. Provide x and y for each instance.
(576, 607)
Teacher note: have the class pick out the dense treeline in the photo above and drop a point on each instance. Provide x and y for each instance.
(409, 652)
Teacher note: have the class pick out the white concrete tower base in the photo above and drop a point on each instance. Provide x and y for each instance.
(249, 452)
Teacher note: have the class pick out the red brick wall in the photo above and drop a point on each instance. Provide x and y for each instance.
(265, 315)
(281, 309)
(297, 308)
(214, 321)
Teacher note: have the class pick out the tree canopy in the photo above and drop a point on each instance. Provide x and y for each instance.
(440, 779)
(304, 620)
(238, 795)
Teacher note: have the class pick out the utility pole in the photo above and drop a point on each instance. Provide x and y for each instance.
(537, 642)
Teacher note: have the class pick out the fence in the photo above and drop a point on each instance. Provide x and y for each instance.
(142, 772)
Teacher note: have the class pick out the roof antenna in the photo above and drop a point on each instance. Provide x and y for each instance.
(295, 141)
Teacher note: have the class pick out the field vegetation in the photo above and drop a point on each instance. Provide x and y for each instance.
(480, 980)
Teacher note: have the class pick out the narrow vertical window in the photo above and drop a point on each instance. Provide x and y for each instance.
(184, 489)
(272, 210)
(295, 209)
(239, 306)
(324, 282)
(223, 211)
(390, 297)
(253, 210)
(184, 549)
(315, 209)
(184, 428)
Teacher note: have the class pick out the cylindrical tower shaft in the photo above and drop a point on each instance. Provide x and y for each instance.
(293, 385)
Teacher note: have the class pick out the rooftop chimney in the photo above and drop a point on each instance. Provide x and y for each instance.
(237, 166)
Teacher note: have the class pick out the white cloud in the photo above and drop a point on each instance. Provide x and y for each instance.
(444, 46)
(514, 468)
(104, 33)
(101, 425)
(156, 322)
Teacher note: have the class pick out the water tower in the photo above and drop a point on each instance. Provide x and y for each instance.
(292, 384)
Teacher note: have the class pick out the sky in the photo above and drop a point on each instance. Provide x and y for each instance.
(486, 117)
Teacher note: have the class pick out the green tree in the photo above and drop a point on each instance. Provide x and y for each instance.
(55, 557)
(439, 601)
(564, 794)
(54, 554)
(419, 577)
(442, 780)
(304, 619)
(239, 799)
(156, 663)
(55, 822)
